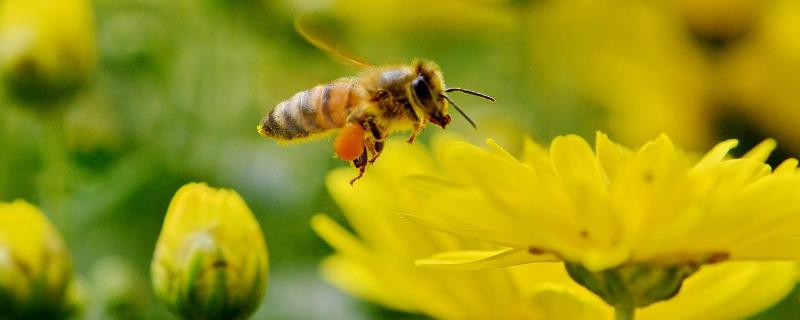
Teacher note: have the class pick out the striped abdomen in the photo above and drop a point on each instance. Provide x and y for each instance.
(320, 109)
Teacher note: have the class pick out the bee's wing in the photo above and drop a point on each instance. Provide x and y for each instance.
(310, 28)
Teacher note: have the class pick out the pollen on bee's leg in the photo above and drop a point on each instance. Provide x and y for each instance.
(349, 143)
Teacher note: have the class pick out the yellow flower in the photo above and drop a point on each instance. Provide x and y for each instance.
(761, 73)
(47, 48)
(640, 220)
(720, 18)
(35, 268)
(630, 64)
(378, 264)
(210, 260)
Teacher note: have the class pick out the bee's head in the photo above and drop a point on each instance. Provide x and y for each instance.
(427, 89)
(429, 92)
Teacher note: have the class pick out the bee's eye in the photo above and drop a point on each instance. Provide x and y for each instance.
(421, 90)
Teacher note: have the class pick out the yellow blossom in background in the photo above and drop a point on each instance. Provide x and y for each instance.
(35, 268)
(210, 260)
(378, 262)
(762, 73)
(633, 61)
(47, 47)
(719, 18)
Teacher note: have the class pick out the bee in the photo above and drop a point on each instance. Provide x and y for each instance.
(366, 108)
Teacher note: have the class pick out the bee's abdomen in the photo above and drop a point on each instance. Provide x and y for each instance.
(309, 112)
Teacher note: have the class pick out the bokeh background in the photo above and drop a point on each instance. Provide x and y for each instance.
(105, 111)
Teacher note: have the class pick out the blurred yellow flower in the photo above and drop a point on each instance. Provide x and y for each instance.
(35, 267)
(632, 60)
(211, 259)
(720, 18)
(762, 73)
(47, 48)
(378, 265)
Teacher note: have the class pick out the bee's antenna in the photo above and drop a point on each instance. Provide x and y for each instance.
(460, 111)
(474, 93)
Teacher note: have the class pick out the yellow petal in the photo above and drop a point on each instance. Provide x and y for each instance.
(575, 164)
(557, 302)
(479, 260)
(535, 156)
(472, 231)
(730, 290)
(610, 155)
(427, 185)
(716, 154)
(469, 163)
(788, 166)
(337, 237)
(774, 234)
(371, 206)
(358, 279)
(761, 151)
(497, 182)
(499, 150)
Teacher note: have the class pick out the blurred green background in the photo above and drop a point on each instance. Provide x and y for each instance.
(161, 93)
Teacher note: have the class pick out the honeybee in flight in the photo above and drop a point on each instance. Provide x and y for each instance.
(364, 108)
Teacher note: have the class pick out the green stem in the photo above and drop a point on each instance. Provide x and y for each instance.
(53, 179)
(624, 312)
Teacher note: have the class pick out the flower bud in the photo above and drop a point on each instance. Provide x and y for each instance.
(35, 268)
(211, 260)
(47, 48)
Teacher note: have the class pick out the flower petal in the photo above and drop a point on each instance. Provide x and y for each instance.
(356, 278)
(472, 231)
(598, 228)
(716, 154)
(480, 260)
(610, 155)
(729, 290)
(575, 164)
(337, 237)
(557, 302)
(761, 151)
(788, 166)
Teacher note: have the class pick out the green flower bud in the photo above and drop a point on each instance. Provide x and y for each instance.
(47, 48)
(211, 258)
(35, 268)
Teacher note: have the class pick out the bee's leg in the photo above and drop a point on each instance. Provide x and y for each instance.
(374, 142)
(361, 164)
(412, 137)
(417, 123)
(378, 146)
(416, 130)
